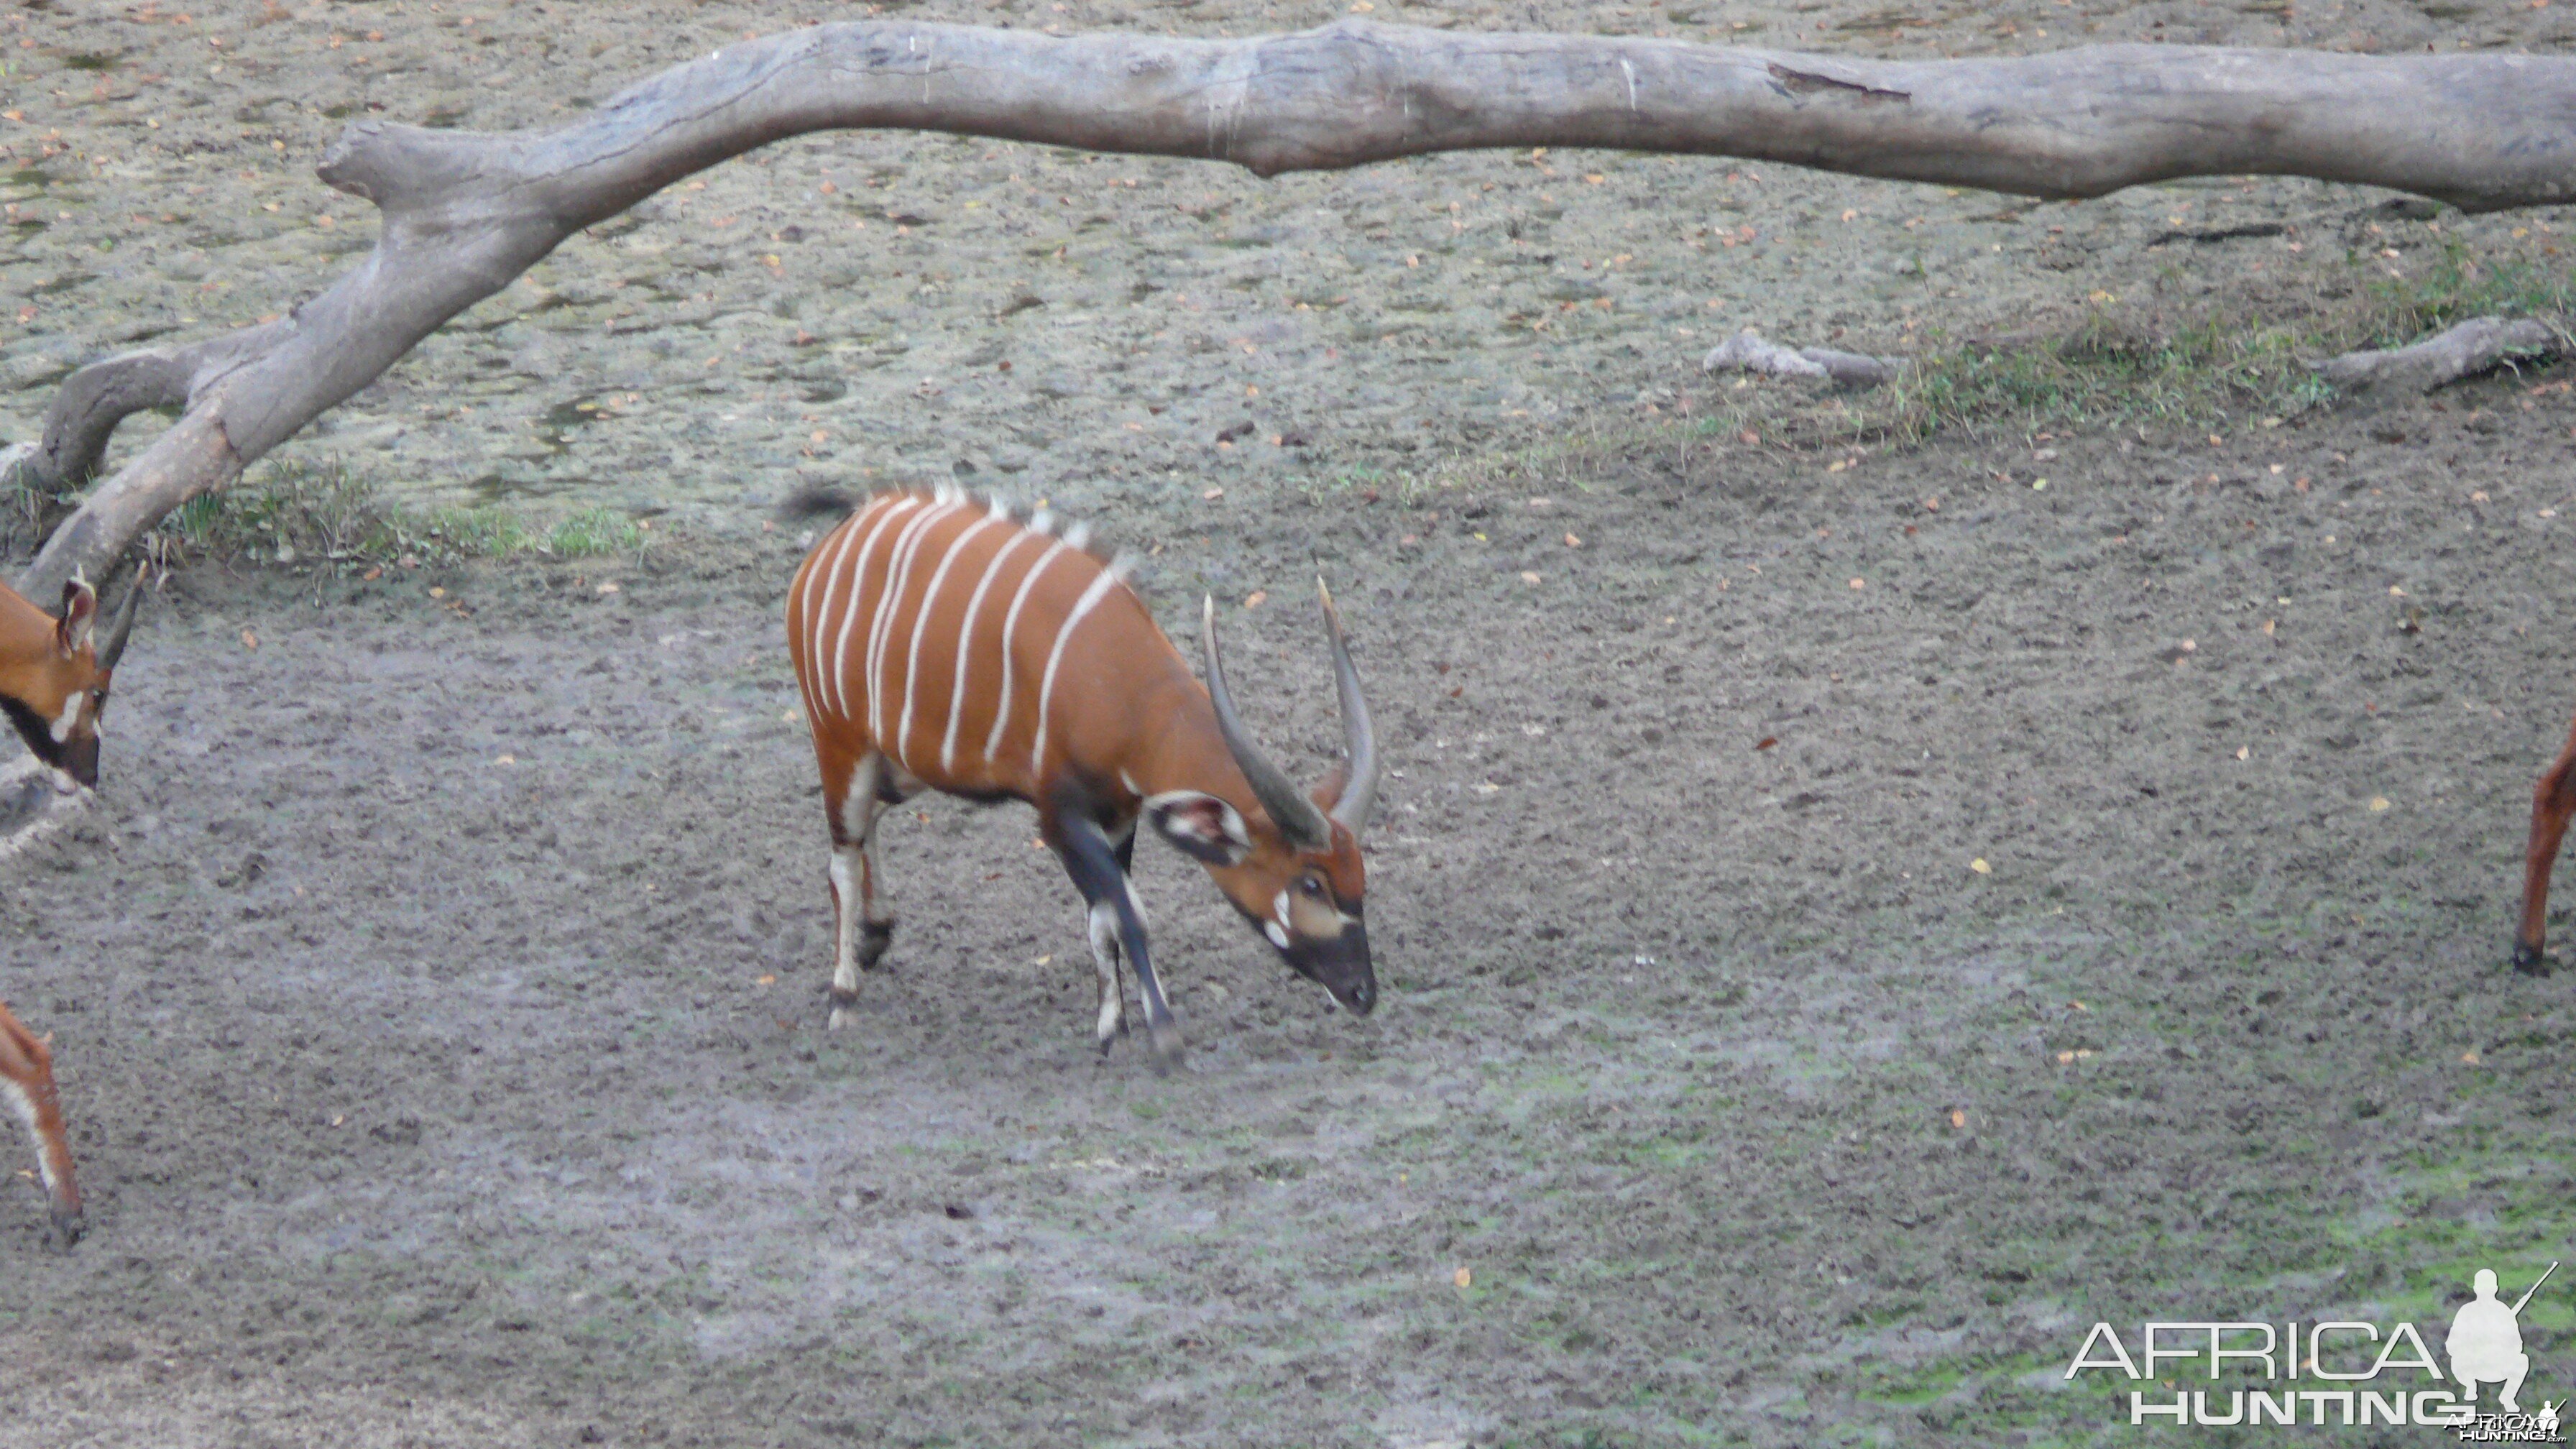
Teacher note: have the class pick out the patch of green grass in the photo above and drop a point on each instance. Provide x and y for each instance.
(327, 513)
(592, 532)
(2122, 367)
(2209, 369)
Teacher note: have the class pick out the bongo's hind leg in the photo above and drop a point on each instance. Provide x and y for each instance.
(27, 1080)
(862, 925)
(2553, 800)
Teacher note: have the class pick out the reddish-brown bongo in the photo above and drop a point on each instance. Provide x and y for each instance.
(944, 644)
(54, 675)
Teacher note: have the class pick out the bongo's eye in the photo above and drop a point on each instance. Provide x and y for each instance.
(1312, 886)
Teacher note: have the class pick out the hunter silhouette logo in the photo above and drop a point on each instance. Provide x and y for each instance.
(2485, 1342)
(2338, 1372)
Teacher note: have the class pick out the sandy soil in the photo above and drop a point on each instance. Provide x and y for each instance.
(437, 985)
(432, 1084)
(871, 307)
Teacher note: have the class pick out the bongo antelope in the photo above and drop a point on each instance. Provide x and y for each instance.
(943, 644)
(54, 678)
(2553, 800)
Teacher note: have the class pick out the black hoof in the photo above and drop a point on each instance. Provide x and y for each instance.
(2530, 960)
(874, 937)
(843, 1004)
(68, 1228)
(1165, 1051)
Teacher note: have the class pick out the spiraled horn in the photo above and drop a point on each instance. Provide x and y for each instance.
(1303, 824)
(1357, 733)
(121, 627)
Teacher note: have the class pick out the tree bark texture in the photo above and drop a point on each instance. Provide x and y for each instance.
(464, 214)
(2478, 345)
(1747, 352)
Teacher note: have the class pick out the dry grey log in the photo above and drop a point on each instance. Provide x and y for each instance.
(465, 213)
(2475, 346)
(1747, 352)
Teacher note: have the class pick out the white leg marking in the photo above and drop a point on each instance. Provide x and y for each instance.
(907, 546)
(1010, 626)
(848, 863)
(1105, 956)
(858, 593)
(859, 802)
(24, 1102)
(827, 579)
(1090, 599)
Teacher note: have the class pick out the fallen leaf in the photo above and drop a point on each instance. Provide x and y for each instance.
(1255, 598)
(1529, 578)
(506, 760)
(1860, 583)
(1958, 1117)
(2471, 1057)
(2378, 803)
(1213, 494)
(2244, 751)
(1980, 867)
(2064, 1058)
(1573, 542)
(764, 980)
(608, 588)
(1463, 1278)
(438, 593)
(249, 640)
(1766, 742)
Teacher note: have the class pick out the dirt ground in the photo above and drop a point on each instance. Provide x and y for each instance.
(1845, 926)
(413, 982)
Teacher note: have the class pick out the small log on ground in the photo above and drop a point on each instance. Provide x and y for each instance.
(2477, 346)
(1747, 352)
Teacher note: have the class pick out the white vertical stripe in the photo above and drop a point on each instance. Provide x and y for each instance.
(907, 545)
(966, 643)
(858, 592)
(818, 624)
(921, 621)
(1099, 590)
(1010, 626)
(809, 584)
(826, 573)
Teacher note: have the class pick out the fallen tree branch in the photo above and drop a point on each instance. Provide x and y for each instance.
(464, 214)
(1747, 352)
(2479, 345)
